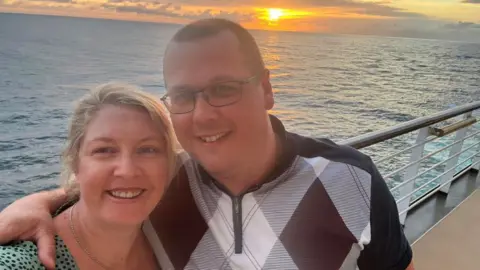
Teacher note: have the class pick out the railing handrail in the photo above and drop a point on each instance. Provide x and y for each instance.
(409, 126)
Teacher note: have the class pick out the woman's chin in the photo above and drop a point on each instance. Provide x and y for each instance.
(126, 213)
(125, 218)
(123, 211)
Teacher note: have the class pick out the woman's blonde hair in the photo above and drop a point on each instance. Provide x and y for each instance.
(118, 94)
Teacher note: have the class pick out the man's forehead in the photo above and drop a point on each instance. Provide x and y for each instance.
(222, 47)
(208, 59)
(225, 39)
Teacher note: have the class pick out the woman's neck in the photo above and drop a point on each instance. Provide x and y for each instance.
(91, 240)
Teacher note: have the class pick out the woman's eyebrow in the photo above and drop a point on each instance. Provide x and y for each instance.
(102, 139)
(151, 138)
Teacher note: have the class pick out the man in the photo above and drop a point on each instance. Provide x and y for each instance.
(249, 195)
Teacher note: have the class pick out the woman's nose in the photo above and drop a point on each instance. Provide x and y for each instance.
(126, 166)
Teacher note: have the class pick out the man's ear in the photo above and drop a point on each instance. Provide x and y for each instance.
(267, 90)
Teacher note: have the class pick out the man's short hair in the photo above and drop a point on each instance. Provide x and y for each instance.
(209, 27)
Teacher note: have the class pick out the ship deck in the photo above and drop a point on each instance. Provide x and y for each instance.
(445, 230)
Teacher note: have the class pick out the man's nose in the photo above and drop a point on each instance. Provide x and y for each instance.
(204, 111)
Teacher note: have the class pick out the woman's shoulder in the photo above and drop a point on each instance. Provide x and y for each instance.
(24, 255)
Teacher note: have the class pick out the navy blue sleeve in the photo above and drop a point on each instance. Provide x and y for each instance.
(389, 249)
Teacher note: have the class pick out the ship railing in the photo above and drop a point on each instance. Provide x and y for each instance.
(420, 165)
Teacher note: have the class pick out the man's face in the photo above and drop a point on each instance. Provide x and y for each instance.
(220, 138)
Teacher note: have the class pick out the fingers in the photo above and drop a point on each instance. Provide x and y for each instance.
(46, 248)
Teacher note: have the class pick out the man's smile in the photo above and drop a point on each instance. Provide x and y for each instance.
(214, 137)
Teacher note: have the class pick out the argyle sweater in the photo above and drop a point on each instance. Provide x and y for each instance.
(324, 207)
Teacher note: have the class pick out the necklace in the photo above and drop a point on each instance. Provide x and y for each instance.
(85, 250)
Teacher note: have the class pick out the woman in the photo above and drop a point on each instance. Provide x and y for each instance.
(117, 164)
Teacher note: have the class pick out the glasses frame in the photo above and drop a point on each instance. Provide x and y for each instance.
(205, 97)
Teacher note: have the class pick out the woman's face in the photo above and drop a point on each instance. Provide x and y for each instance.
(122, 165)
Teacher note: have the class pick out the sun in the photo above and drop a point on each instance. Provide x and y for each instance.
(274, 14)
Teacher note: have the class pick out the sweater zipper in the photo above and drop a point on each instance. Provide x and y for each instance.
(237, 215)
(237, 223)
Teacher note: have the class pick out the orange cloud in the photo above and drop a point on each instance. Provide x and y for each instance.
(404, 18)
(240, 10)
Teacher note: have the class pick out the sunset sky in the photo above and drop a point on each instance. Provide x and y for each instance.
(450, 19)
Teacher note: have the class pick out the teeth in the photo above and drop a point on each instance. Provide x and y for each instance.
(212, 138)
(125, 194)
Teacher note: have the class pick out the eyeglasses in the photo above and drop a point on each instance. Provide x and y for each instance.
(216, 95)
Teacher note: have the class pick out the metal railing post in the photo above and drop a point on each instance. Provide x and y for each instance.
(416, 154)
(477, 180)
(476, 159)
(456, 148)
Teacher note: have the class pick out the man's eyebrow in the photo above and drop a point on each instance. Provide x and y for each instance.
(181, 88)
(220, 78)
(190, 88)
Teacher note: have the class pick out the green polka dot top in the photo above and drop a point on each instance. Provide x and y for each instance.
(24, 255)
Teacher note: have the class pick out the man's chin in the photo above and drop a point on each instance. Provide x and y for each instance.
(214, 165)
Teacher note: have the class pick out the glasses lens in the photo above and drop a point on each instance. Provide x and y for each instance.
(225, 93)
(182, 102)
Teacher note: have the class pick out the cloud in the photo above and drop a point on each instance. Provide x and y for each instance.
(140, 7)
(38, 3)
(463, 25)
(382, 10)
(143, 9)
(55, 1)
(353, 6)
(409, 28)
(155, 6)
(171, 10)
(471, 1)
